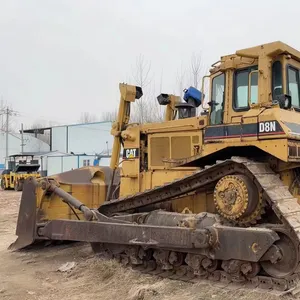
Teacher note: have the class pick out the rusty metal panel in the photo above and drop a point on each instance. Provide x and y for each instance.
(217, 238)
(163, 236)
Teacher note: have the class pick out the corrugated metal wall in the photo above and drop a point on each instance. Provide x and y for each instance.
(59, 139)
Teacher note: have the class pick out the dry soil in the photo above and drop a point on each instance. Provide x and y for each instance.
(34, 274)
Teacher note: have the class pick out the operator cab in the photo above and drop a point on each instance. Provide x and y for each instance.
(254, 77)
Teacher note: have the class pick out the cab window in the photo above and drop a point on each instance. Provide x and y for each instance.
(217, 99)
(277, 88)
(293, 86)
(241, 90)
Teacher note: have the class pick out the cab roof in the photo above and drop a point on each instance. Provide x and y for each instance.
(247, 55)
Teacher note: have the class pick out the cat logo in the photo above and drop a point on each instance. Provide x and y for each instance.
(130, 153)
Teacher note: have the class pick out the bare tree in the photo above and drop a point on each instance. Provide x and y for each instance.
(141, 72)
(154, 112)
(196, 69)
(161, 80)
(192, 76)
(87, 117)
(146, 109)
(109, 116)
(197, 72)
(141, 76)
(181, 79)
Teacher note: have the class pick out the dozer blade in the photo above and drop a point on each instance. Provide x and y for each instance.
(26, 225)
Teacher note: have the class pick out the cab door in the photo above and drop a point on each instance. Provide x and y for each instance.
(217, 100)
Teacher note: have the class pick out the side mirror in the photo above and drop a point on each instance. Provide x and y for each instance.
(213, 103)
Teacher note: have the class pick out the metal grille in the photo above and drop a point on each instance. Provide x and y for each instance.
(160, 149)
(292, 151)
(195, 139)
(181, 146)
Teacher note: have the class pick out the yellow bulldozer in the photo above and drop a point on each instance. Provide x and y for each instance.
(210, 195)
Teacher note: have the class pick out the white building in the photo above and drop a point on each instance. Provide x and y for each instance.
(70, 146)
(87, 138)
(75, 146)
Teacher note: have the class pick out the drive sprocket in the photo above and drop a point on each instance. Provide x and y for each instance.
(237, 199)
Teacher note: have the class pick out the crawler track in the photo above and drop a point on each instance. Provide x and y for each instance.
(276, 197)
(217, 277)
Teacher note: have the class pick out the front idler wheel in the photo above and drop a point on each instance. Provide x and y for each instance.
(282, 259)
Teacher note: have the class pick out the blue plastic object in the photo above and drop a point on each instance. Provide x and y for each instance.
(96, 162)
(193, 93)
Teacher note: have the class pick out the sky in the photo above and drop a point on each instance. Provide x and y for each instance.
(59, 58)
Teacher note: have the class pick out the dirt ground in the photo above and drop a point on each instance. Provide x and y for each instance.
(34, 274)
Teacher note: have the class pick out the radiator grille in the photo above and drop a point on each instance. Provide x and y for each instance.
(293, 151)
(160, 149)
(181, 146)
(195, 139)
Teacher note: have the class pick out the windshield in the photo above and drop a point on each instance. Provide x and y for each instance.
(217, 99)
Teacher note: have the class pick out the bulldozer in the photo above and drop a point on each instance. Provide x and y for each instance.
(210, 195)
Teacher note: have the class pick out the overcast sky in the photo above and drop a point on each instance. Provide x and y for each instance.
(57, 54)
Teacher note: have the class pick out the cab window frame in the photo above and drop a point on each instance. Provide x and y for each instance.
(234, 92)
(273, 77)
(218, 74)
(297, 70)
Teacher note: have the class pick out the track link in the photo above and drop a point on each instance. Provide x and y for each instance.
(218, 277)
(275, 194)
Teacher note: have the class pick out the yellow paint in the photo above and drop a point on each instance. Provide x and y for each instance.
(92, 194)
(10, 180)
